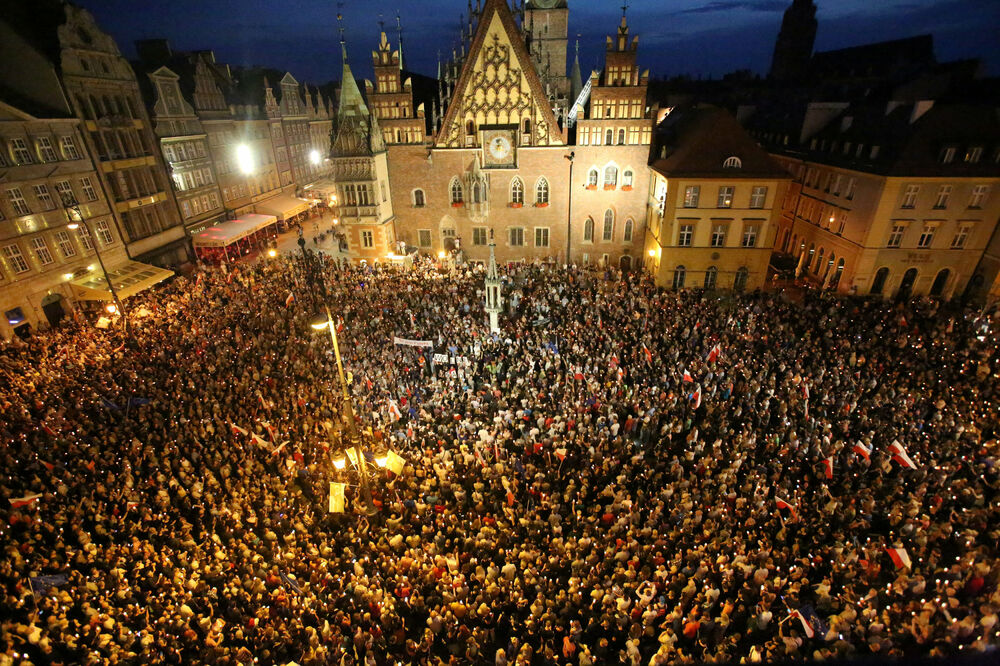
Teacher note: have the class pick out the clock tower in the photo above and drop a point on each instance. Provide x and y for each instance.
(547, 25)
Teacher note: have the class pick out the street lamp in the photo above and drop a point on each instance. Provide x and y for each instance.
(244, 159)
(314, 156)
(71, 203)
(318, 323)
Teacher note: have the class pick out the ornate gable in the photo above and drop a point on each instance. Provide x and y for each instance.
(498, 86)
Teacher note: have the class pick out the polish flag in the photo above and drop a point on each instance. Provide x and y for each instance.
(237, 430)
(899, 557)
(270, 429)
(784, 504)
(279, 449)
(805, 390)
(862, 450)
(578, 376)
(48, 431)
(27, 500)
(257, 439)
(713, 353)
(394, 413)
(561, 454)
(806, 626)
(649, 354)
(828, 467)
(696, 396)
(289, 300)
(131, 505)
(510, 498)
(900, 456)
(49, 466)
(687, 377)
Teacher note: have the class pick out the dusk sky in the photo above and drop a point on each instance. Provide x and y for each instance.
(697, 37)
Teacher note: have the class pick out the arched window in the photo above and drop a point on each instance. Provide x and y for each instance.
(878, 284)
(732, 163)
(621, 137)
(592, 178)
(527, 126)
(588, 230)
(627, 234)
(516, 191)
(819, 264)
(906, 286)
(610, 176)
(937, 289)
(809, 259)
(609, 137)
(740, 282)
(542, 191)
(470, 128)
(456, 191)
(627, 178)
(836, 276)
(679, 274)
(711, 276)
(418, 198)
(479, 192)
(609, 225)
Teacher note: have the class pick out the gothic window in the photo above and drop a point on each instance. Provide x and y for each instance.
(479, 192)
(627, 233)
(516, 191)
(456, 191)
(627, 178)
(588, 230)
(542, 191)
(592, 177)
(609, 137)
(527, 126)
(621, 137)
(609, 225)
(610, 176)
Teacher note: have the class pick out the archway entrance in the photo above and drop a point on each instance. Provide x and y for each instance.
(906, 286)
(939, 283)
(625, 263)
(52, 306)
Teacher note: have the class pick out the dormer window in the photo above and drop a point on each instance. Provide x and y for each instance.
(947, 155)
(974, 154)
(732, 163)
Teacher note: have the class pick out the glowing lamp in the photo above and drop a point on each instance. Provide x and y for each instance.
(111, 308)
(244, 159)
(272, 252)
(314, 156)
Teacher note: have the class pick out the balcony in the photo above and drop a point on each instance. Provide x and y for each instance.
(349, 211)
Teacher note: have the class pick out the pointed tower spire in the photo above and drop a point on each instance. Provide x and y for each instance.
(494, 299)
(399, 38)
(340, 29)
(575, 80)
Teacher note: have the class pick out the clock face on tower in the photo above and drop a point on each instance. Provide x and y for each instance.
(499, 147)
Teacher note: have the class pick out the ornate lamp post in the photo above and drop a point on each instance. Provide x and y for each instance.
(325, 320)
(71, 203)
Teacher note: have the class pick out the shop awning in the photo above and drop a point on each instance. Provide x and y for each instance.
(230, 231)
(129, 279)
(283, 206)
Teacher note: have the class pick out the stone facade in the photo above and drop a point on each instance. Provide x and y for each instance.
(42, 160)
(103, 91)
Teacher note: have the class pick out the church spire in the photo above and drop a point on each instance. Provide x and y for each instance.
(575, 80)
(399, 38)
(794, 46)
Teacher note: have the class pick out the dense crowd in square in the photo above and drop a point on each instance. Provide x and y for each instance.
(623, 475)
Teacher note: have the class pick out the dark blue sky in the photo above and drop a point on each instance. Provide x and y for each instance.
(697, 37)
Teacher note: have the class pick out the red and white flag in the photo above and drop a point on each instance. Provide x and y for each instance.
(828, 467)
(862, 450)
(687, 377)
(561, 454)
(806, 626)
(394, 413)
(270, 430)
(785, 504)
(577, 375)
(649, 354)
(27, 500)
(48, 431)
(696, 396)
(278, 449)
(805, 390)
(49, 466)
(900, 456)
(290, 299)
(899, 557)
(237, 430)
(713, 353)
(131, 505)
(257, 439)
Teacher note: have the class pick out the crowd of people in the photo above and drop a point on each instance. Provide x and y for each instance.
(622, 475)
